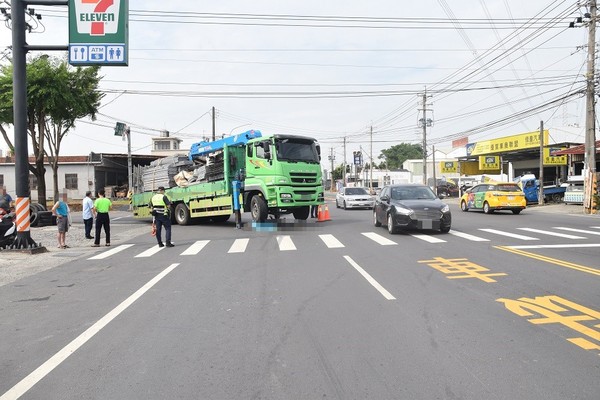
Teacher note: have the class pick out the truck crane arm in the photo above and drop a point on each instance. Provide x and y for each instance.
(203, 148)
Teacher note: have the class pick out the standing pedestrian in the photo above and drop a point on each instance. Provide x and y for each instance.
(5, 196)
(159, 204)
(88, 214)
(62, 212)
(102, 206)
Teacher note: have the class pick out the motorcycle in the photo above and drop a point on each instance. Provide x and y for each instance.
(8, 229)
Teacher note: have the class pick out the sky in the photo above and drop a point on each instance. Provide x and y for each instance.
(334, 70)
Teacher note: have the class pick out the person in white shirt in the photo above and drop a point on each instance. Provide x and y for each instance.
(88, 216)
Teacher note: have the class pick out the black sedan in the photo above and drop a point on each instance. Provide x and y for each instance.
(411, 206)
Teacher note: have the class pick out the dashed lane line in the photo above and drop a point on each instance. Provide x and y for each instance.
(512, 235)
(285, 243)
(239, 245)
(195, 248)
(468, 236)
(331, 242)
(562, 235)
(379, 239)
(110, 252)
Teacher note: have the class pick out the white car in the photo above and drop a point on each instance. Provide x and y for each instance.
(354, 197)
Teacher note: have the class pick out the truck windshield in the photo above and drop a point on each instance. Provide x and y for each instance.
(296, 150)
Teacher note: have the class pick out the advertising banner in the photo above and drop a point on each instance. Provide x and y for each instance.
(447, 167)
(549, 159)
(508, 143)
(489, 163)
(98, 32)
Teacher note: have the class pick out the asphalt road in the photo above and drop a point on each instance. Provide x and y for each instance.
(504, 307)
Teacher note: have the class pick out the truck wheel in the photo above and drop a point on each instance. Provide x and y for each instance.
(301, 212)
(516, 211)
(557, 197)
(258, 208)
(182, 214)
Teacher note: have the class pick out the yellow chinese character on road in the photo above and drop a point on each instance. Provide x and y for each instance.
(460, 268)
(556, 310)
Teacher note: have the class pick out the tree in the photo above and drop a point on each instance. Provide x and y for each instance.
(395, 156)
(57, 95)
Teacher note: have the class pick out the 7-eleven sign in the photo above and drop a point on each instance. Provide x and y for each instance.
(98, 32)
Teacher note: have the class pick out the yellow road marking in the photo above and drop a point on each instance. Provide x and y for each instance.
(550, 260)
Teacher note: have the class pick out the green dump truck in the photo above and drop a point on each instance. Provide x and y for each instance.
(266, 175)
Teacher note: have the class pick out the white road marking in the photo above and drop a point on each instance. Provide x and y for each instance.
(554, 246)
(285, 243)
(30, 380)
(239, 246)
(379, 239)
(512, 235)
(150, 252)
(468, 236)
(427, 238)
(114, 219)
(577, 230)
(369, 278)
(331, 242)
(110, 252)
(195, 248)
(562, 235)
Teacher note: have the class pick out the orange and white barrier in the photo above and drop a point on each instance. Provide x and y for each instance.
(22, 214)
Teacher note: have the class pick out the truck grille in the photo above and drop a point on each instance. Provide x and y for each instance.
(303, 177)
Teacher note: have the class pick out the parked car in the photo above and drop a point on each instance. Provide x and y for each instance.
(490, 197)
(411, 206)
(354, 197)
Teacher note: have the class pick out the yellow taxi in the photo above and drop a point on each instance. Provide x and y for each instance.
(492, 196)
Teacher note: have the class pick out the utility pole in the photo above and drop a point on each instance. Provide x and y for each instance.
(590, 126)
(331, 158)
(344, 163)
(434, 177)
(541, 175)
(213, 124)
(425, 122)
(371, 164)
(20, 49)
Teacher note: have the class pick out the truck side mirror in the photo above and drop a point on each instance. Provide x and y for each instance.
(319, 152)
(267, 148)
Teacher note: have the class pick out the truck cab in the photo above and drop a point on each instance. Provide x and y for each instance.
(283, 175)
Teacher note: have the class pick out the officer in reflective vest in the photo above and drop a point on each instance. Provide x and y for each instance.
(160, 210)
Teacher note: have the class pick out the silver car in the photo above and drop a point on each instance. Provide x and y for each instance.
(354, 197)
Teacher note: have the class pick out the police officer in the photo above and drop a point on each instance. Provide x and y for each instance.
(160, 210)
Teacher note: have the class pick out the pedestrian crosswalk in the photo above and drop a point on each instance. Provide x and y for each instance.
(330, 241)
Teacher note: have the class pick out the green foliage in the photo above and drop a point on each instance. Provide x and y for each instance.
(56, 93)
(395, 156)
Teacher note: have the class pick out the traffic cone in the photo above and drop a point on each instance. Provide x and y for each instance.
(323, 215)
